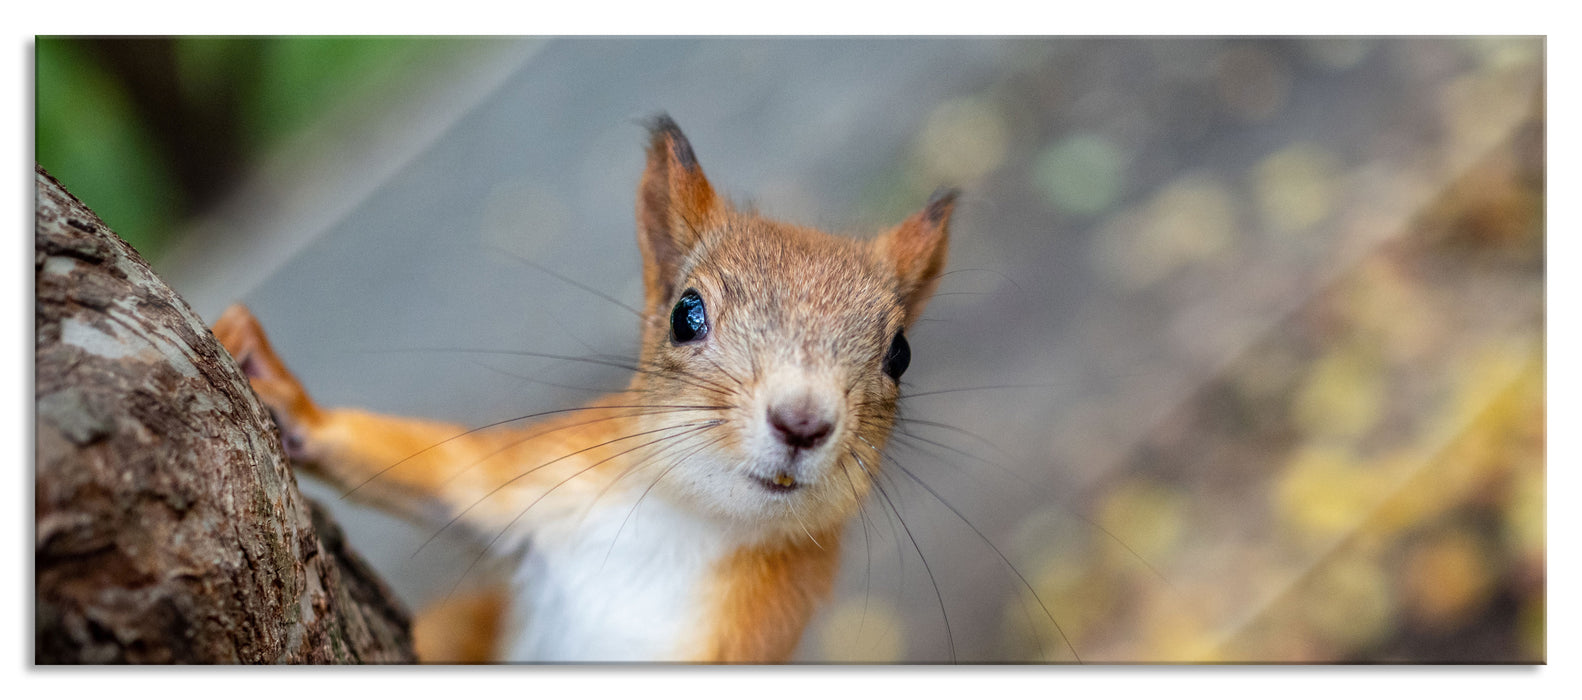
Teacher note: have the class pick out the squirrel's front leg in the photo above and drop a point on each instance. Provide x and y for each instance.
(294, 411)
(402, 464)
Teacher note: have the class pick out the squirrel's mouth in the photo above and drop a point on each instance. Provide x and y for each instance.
(780, 482)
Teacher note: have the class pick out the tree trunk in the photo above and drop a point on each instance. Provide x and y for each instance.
(168, 527)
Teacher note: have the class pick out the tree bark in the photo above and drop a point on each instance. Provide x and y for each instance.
(168, 526)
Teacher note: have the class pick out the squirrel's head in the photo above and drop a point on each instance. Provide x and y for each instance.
(793, 341)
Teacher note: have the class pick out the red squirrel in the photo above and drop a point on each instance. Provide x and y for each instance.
(697, 515)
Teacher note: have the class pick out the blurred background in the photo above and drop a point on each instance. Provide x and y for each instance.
(1240, 358)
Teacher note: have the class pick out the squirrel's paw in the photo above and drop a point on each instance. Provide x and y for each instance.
(280, 391)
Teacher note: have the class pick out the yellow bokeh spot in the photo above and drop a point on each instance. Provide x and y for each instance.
(1192, 220)
(1480, 109)
(1053, 541)
(1447, 577)
(1505, 52)
(1176, 635)
(1525, 527)
(1296, 187)
(1341, 397)
(1490, 424)
(1349, 602)
(1387, 307)
(1144, 515)
(963, 140)
(1413, 499)
(1078, 606)
(863, 632)
(1325, 493)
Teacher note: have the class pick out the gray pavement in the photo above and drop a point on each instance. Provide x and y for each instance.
(1115, 249)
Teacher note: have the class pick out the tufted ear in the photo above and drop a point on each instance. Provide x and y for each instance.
(916, 249)
(675, 205)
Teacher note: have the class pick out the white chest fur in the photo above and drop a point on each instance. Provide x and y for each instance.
(595, 589)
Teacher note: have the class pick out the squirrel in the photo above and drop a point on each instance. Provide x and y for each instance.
(697, 515)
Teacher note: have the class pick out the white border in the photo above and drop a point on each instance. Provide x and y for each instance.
(821, 16)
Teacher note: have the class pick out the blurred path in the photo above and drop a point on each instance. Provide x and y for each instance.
(1157, 236)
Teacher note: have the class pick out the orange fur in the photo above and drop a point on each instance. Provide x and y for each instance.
(764, 597)
(462, 629)
(917, 249)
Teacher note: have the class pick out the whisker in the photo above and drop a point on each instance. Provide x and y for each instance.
(541, 268)
(908, 435)
(700, 381)
(725, 372)
(909, 440)
(535, 380)
(1036, 488)
(507, 421)
(644, 495)
(669, 373)
(542, 496)
(895, 535)
(516, 443)
(570, 332)
(691, 428)
(1070, 383)
(988, 387)
(804, 529)
(946, 426)
(513, 479)
(949, 637)
(997, 552)
(629, 470)
(867, 549)
(1001, 275)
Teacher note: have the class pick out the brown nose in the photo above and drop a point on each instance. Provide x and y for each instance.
(800, 423)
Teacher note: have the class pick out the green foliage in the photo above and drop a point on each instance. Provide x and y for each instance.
(90, 135)
(87, 137)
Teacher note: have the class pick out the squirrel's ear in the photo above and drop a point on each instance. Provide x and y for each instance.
(675, 205)
(917, 248)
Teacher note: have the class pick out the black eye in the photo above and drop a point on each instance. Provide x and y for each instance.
(897, 357)
(689, 321)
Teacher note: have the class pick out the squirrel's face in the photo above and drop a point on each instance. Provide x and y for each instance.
(787, 345)
(796, 342)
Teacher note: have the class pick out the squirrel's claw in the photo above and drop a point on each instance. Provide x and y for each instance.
(241, 335)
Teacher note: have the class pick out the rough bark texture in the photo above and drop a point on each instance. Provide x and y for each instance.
(168, 527)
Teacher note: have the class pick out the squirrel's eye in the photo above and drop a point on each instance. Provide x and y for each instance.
(689, 321)
(897, 357)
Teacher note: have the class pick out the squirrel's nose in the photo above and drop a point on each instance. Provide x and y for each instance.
(800, 422)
